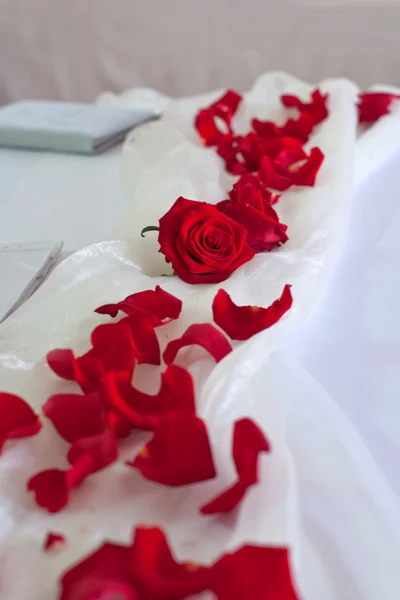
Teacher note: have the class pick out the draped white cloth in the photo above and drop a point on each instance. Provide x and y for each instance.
(324, 490)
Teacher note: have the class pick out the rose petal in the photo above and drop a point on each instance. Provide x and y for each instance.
(248, 442)
(224, 109)
(75, 416)
(271, 177)
(204, 335)
(300, 128)
(179, 452)
(104, 574)
(374, 105)
(242, 322)
(306, 174)
(176, 393)
(61, 362)
(157, 572)
(113, 344)
(254, 573)
(102, 449)
(317, 108)
(158, 306)
(53, 541)
(52, 487)
(17, 419)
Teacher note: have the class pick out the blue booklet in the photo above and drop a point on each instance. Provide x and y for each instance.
(67, 126)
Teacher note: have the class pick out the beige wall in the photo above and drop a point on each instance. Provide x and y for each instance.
(74, 49)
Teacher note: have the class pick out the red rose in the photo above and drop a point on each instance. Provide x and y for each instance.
(250, 205)
(203, 245)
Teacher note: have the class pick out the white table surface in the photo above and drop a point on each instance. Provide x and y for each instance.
(43, 196)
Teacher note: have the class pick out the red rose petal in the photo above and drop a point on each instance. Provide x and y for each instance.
(271, 176)
(223, 109)
(17, 419)
(52, 487)
(248, 442)
(306, 174)
(242, 322)
(53, 541)
(142, 410)
(102, 449)
(204, 335)
(104, 574)
(75, 416)
(61, 362)
(113, 344)
(157, 572)
(374, 105)
(317, 108)
(300, 128)
(254, 573)
(179, 452)
(158, 306)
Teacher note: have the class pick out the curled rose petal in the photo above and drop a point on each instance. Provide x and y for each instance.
(300, 128)
(52, 487)
(256, 572)
(54, 542)
(158, 306)
(317, 108)
(204, 335)
(61, 362)
(374, 105)
(75, 416)
(102, 449)
(143, 411)
(203, 245)
(206, 121)
(17, 419)
(157, 572)
(291, 167)
(104, 574)
(179, 452)
(248, 442)
(242, 322)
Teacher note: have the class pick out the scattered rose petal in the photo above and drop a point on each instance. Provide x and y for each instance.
(374, 105)
(157, 572)
(54, 542)
(104, 574)
(203, 245)
(204, 335)
(317, 108)
(242, 322)
(102, 449)
(179, 452)
(223, 110)
(291, 167)
(87, 455)
(146, 570)
(75, 416)
(248, 442)
(17, 419)
(254, 573)
(158, 306)
(52, 487)
(300, 128)
(143, 411)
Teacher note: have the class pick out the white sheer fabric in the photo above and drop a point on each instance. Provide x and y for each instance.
(323, 490)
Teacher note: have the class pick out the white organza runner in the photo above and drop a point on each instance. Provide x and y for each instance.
(319, 474)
